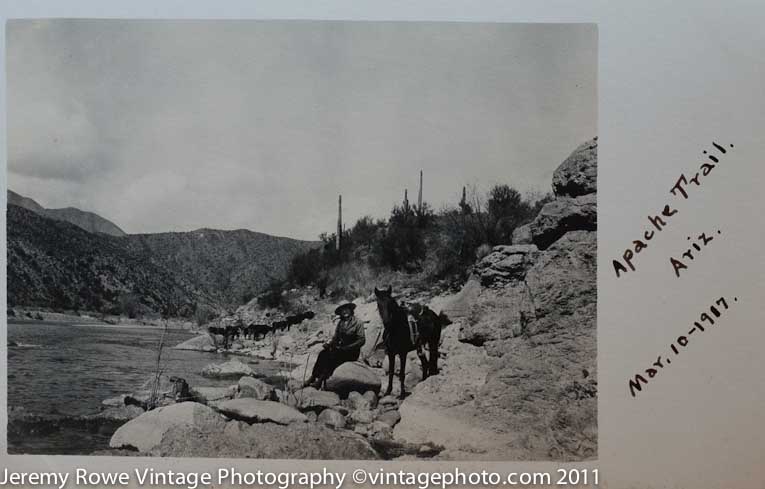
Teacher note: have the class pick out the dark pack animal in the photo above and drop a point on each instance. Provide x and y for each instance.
(399, 338)
(258, 331)
(229, 333)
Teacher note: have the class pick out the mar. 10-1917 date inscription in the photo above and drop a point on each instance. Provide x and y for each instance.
(706, 320)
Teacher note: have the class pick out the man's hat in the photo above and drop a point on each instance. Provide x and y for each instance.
(350, 306)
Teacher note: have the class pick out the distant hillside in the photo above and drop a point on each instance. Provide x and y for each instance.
(231, 266)
(88, 221)
(52, 263)
(56, 264)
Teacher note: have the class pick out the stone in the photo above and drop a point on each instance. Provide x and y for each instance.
(506, 263)
(232, 368)
(312, 416)
(332, 418)
(563, 215)
(388, 400)
(309, 398)
(211, 394)
(307, 441)
(380, 431)
(285, 343)
(363, 416)
(391, 418)
(371, 397)
(353, 376)
(358, 402)
(203, 342)
(578, 174)
(254, 388)
(147, 430)
(257, 411)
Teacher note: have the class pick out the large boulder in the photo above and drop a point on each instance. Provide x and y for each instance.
(309, 441)
(254, 388)
(203, 342)
(207, 395)
(353, 376)
(563, 215)
(578, 174)
(231, 369)
(257, 411)
(147, 430)
(506, 263)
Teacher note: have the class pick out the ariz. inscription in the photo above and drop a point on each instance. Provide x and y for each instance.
(706, 319)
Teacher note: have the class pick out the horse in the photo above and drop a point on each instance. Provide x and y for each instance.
(258, 330)
(398, 336)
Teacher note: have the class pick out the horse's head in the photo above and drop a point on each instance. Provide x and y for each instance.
(386, 304)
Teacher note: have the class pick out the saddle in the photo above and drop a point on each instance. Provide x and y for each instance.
(413, 313)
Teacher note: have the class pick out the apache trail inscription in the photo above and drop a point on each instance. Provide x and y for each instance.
(682, 188)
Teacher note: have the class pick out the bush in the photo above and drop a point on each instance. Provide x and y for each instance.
(129, 305)
(482, 251)
(274, 296)
(402, 244)
(204, 314)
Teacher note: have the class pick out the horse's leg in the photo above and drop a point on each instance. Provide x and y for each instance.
(433, 347)
(423, 361)
(391, 372)
(402, 374)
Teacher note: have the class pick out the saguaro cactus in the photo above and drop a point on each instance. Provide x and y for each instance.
(419, 196)
(339, 221)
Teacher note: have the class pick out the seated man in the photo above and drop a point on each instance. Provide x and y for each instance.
(345, 346)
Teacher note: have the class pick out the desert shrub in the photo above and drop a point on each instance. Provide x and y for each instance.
(204, 314)
(482, 251)
(505, 210)
(129, 304)
(351, 280)
(305, 268)
(274, 296)
(402, 244)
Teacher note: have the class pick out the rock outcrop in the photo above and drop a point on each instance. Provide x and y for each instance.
(518, 377)
(561, 216)
(147, 431)
(578, 174)
(506, 263)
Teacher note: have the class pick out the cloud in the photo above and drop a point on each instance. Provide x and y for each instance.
(261, 124)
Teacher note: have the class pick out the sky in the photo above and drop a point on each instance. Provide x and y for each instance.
(179, 125)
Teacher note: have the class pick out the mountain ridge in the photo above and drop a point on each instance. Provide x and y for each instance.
(55, 263)
(89, 221)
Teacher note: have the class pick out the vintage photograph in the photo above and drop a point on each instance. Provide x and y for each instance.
(302, 239)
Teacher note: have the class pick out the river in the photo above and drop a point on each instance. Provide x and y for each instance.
(67, 370)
